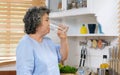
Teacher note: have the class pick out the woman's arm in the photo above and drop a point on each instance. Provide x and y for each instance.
(63, 42)
(24, 59)
(64, 49)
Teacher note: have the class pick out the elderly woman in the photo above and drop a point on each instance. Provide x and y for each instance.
(37, 54)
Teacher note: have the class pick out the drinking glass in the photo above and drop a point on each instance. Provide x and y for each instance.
(55, 27)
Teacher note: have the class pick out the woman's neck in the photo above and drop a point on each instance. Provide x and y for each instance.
(36, 37)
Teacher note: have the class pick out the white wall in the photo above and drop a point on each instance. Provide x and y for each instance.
(106, 12)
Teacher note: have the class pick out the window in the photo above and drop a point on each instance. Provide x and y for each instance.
(11, 24)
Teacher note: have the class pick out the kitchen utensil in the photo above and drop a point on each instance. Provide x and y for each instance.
(89, 43)
(99, 44)
(94, 43)
(83, 56)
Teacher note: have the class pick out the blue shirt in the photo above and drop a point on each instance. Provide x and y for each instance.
(34, 58)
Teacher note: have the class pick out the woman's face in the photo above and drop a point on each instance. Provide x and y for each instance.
(44, 28)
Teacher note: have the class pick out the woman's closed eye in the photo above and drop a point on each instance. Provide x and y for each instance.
(46, 20)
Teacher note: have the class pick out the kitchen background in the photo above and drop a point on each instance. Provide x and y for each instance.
(103, 12)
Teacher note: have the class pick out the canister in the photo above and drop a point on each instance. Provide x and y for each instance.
(101, 71)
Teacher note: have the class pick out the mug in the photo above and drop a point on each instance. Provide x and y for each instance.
(91, 28)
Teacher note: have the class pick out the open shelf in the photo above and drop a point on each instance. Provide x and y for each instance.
(93, 35)
(70, 13)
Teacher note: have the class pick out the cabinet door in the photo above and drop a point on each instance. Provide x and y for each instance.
(4, 72)
(8, 72)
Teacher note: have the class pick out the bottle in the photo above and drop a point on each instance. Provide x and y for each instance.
(60, 5)
(79, 3)
(83, 29)
(74, 4)
(104, 64)
(100, 29)
(81, 71)
(84, 71)
(84, 3)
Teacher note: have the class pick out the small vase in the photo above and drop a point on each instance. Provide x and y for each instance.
(91, 28)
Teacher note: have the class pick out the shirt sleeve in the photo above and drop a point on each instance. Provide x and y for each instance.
(57, 47)
(24, 59)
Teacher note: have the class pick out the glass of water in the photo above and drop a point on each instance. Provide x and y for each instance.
(55, 27)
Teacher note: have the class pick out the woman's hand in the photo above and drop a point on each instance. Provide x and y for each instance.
(62, 31)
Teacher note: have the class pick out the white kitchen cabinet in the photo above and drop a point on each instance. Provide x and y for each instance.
(53, 4)
(69, 12)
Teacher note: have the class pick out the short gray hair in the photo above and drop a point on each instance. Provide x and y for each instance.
(32, 18)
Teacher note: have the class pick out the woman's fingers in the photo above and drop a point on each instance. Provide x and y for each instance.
(66, 29)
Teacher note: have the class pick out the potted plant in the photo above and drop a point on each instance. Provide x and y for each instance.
(67, 70)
